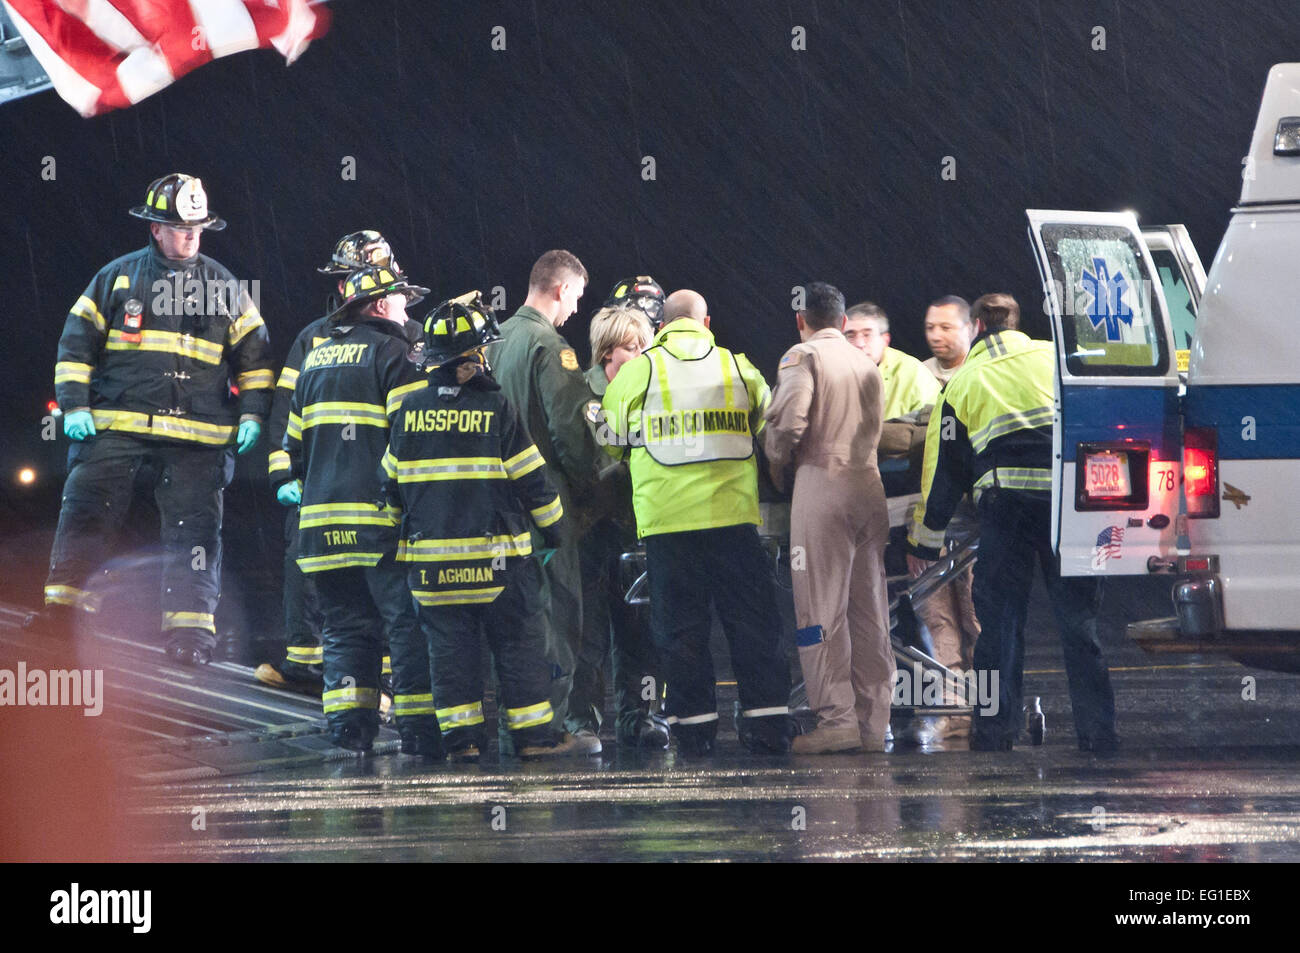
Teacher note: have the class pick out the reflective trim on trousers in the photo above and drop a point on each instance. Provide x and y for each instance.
(347, 699)
(72, 596)
(305, 654)
(189, 620)
(693, 719)
(413, 705)
(460, 716)
(529, 717)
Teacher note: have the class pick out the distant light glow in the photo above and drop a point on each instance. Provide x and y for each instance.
(26, 476)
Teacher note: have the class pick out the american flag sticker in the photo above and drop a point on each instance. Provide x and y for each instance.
(1108, 546)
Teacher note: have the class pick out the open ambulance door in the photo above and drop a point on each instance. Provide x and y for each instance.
(1183, 280)
(1117, 444)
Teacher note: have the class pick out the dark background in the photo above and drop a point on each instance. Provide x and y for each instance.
(774, 166)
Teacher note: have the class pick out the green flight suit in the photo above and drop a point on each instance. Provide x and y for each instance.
(539, 374)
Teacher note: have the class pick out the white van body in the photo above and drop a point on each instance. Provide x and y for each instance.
(1196, 478)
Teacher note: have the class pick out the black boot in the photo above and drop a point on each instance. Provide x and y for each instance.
(422, 744)
(646, 731)
(769, 734)
(189, 647)
(352, 737)
(55, 621)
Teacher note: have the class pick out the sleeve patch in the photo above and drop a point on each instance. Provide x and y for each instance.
(569, 359)
(790, 360)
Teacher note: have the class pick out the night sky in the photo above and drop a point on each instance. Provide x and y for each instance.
(773, 166)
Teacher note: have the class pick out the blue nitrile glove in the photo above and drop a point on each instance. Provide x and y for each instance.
(290, 494)
(249, 431)
(545, 555)
(79, 425)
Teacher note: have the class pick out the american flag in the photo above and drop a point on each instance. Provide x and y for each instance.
(1109, 540)
(107, 54)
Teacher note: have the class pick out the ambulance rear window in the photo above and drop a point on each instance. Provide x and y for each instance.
(1110, 318)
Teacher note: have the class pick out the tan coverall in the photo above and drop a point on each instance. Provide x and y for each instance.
(824, 421)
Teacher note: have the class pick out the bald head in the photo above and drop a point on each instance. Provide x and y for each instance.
(686, 304)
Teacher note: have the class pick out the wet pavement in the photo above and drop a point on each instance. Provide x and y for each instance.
(1210, 771)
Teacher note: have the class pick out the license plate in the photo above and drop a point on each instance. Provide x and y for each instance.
(1106, 475)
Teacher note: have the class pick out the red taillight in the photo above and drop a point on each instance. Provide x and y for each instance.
(1201, 471)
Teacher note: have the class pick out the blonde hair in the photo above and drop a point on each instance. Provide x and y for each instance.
(610, 327)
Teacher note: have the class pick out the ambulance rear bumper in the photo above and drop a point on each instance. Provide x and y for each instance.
(1198, 604)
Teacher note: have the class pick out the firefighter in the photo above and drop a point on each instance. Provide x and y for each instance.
(301, 666)
(643, 293)
(991, 431)
(347, 390)
(540, 376)
(685, 413)
(150, 360)
(470, 484)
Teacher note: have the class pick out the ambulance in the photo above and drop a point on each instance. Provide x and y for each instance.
(1177, 425)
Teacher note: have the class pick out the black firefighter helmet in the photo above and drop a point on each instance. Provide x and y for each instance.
(178, 199)
(367, 284)
(363, 249)
(456, 328)
(642, 292)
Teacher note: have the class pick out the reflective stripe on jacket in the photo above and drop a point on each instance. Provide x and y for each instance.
(470, 484)
(277, 462)
(337, 434)
(992, 426)
(696, 409)
(166, 370)
(704, 494)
